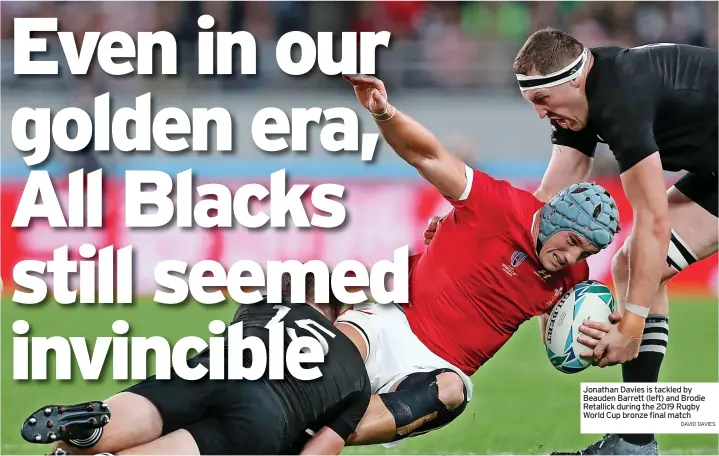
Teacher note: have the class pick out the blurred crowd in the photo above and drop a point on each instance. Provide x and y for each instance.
(434, 44)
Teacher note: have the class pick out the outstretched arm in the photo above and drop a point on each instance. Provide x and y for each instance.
(410, 140)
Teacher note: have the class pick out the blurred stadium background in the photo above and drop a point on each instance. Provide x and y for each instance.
(449, 65)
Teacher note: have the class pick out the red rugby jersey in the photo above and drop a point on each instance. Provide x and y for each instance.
(481, 278)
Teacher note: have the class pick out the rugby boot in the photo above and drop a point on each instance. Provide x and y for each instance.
(612, 444)
(64, 422)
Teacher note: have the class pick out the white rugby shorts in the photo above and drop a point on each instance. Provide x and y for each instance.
(393, 351)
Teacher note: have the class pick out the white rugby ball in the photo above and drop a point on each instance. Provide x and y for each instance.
(588, 300)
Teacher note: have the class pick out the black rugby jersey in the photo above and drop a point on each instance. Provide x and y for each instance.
(339, 398)
(660, 97)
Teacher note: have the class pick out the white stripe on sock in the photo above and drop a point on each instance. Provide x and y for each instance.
(653, 348)
(656, 336)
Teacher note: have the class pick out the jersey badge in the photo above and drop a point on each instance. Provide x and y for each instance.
(515, 260)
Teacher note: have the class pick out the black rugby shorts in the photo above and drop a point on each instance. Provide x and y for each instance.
(702, 189)
(223, 416)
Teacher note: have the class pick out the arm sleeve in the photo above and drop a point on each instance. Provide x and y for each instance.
(584, 140)
(475, 180)
(629, 132)
(346, 424)
(478, 205)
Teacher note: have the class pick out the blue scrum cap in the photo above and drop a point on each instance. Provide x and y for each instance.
(585, 208)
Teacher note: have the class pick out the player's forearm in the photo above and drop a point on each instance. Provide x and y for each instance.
(408, 138)
(421, 149)
(566, 167)
(322, 448)
(647, 258)
(325, 442)
(543, 319)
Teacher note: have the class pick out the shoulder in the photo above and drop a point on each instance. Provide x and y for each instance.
(654, 57)
(345, 352)
(490, 206)
(523, 204)
(619, 74)
(344, 365)
(614, 59)
(483, 200)
(365, 388)
(257, 310)
(624, 100)
(498, 190)
(625, 75)
(607, 59)
(355, 371)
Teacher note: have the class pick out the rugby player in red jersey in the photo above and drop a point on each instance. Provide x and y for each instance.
(499, 258)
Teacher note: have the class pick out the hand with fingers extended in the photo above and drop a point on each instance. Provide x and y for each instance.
(593, 335)
(370, 92)
(616, 348)
(431, 229)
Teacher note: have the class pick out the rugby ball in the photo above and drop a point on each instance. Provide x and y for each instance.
(588, 300)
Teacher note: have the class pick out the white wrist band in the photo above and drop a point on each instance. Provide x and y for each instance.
(637, 310)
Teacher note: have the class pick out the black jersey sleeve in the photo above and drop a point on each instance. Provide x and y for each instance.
(626, 123)
(631, 141)
(584, 140)
(348, 420)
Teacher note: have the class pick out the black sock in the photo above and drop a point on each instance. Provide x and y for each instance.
(645, 368)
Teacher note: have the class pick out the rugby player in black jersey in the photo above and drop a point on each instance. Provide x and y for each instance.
(655, 107)
(177, 416)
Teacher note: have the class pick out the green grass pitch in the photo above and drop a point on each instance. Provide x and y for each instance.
(521, 404)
